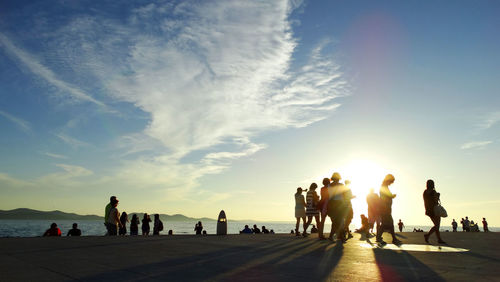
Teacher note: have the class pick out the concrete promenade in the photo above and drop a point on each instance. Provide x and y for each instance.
(248, 258)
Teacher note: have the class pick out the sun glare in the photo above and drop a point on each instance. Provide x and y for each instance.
(363, 175)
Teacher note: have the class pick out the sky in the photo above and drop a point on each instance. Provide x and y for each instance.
(193, 107)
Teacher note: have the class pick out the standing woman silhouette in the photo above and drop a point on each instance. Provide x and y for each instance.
(431, 200)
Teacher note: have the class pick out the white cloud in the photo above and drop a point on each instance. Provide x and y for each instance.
(475, 145)
(52, 155)
(73, 142)
(490, 120)
(22, 124)
(74, 171)
(211, 75)
(34, 65)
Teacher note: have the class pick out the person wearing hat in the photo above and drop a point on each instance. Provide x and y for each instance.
(113, 219)
(337, 207)
(300, 210)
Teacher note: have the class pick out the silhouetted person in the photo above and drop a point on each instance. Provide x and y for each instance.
(454, 225)
(386, 221)
(198, 227)
(485, 225)
(134, 225)
(466, 224)
(53, 231)
(113, 220)
(255, 229)
(74, 231)
(246, 230)
(106, 213)
(300, 210)
(373, 201)
(474, 227)
(365, 226)
(157, 225)
(337, 208)
(401, 225)
(349, 212)
(264, 230)
(431, 201)
(145, 225)
(204, 232)
(312, 203)
(314, 229)
(123, 227)
(323, 206)
(170, 232)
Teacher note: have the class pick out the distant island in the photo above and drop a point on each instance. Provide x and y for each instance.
(30, 214)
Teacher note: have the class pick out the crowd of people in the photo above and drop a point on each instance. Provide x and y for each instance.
(334, 202)
(469, 225)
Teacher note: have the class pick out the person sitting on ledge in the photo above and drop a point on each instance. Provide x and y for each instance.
(256, 229)
(75, 231)
(247, 230)
(264, 230)
(53, 231)
(314, 229)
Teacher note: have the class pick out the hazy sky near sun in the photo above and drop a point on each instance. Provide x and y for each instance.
(196, 106)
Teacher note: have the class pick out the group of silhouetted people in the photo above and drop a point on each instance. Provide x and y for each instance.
(116, 224)
(55, 231)
(335, 203)
(469, 225)
(256, 230)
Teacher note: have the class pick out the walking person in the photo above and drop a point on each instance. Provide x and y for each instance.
(385, 211)
(373, 201)
(134, 225)
(145, 225)
(454, 225)
(312, 201)
(348, 196)
(323, 206)
(123, 220)
(485, 225)
(431, 201)
(113, 221)
(300, 210)
(337, 208)
(401, 225)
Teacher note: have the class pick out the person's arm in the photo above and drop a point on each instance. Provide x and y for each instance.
(117, 218)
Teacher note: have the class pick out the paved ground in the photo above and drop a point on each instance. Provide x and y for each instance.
(246, 257)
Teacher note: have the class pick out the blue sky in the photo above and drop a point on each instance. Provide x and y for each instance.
(195, 106)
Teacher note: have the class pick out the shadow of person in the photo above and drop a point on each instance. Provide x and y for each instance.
(402, 266)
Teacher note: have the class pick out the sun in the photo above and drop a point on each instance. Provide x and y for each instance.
(363, 175)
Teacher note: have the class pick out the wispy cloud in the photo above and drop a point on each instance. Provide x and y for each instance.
(22, 124)
(73, 142)
(475, 145)
(490, 120)
(40, 70)
(52, 155)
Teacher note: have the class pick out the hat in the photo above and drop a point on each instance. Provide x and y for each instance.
(336, 175)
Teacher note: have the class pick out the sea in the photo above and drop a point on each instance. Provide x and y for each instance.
(36, 228)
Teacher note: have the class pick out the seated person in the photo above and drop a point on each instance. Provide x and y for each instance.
(256, 229)
(314, 229)
(264, 230)
(272, 231)
(365, 226)
(75, 231)
(53, 231)
(247, 230)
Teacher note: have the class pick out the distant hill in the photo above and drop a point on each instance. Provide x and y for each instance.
(23, 213)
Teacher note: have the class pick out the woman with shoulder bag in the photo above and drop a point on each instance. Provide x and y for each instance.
(432, 210)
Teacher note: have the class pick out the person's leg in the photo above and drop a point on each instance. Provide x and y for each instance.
(304, 224)
(309, 220)
(322, 225)
(437, 223)
(334, 227)
(297, 225)
(318, 222)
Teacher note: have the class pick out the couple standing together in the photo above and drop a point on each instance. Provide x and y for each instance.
(335, 203)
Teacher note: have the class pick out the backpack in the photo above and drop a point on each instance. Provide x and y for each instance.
(160, 226)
